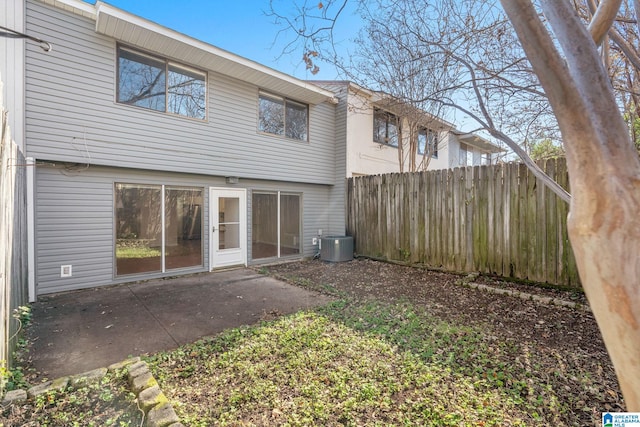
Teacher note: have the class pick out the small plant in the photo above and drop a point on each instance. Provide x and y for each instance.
(107, 402)
(23, 315)
(4, 376)
(405, 254)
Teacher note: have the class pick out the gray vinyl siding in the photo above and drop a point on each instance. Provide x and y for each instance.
(72, 116)
(75, 220)
(84, 142)
(337, 218)
(75, 223)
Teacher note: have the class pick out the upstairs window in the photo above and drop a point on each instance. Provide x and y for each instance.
(385, 128)
(465, 156)
(157, 84)
(427, 143)
(281, 116)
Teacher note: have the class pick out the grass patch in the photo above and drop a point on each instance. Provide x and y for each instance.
(372, 363)
(307, 369)
(137, 252)
(351, 362)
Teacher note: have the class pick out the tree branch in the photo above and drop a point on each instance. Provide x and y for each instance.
(602, 20)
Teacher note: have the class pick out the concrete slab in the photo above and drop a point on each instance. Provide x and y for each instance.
(75, 332)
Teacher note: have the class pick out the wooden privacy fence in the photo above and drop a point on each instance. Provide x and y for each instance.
(13, 237)
(497, 219)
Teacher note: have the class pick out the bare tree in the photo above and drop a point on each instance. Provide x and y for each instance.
(440, 57)
(604, 168)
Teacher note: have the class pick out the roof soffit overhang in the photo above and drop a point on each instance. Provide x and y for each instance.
(405, 109)
(478, 142)
(76, 7)
(138, 32)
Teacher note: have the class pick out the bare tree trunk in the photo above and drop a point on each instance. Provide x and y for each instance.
(604, 172)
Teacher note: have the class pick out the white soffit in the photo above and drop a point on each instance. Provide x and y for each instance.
(74, 6)
(479, 142)
(135, 31)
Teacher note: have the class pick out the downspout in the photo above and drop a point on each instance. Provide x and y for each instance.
(31, 240)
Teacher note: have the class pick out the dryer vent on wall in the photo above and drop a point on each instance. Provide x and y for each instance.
(336, 248)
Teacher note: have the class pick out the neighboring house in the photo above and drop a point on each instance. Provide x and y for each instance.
(383, 136)
(155, 154)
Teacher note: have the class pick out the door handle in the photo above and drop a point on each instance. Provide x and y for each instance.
(213, 229)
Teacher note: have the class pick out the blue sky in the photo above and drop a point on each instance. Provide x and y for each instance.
(239, 26)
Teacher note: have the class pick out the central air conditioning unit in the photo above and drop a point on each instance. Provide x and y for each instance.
(336, 248)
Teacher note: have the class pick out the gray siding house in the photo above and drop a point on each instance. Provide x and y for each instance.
(155, 154)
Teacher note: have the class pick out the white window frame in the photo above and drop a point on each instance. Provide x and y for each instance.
(285, 102)
(167, 65)
(390, 119)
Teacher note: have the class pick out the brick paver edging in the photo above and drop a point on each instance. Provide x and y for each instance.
(158, 412)
(469, 282)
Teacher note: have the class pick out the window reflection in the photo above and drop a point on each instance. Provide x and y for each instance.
(141, 81)
(154, 83)
(264, 220)
(289, 224)
(139, 231)
(280, 116)
(229, 223)
(273, 235)
(183, 228)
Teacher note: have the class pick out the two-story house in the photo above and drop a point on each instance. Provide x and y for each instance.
(384, 135)
(155, 154)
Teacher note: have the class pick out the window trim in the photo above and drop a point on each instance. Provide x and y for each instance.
(434, 154)
(388, 118)
(285, 101)
(167, 64)
(163, 188)
(279, 194)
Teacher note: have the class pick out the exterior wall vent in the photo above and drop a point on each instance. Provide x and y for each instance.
(336, 248)
(65, 271)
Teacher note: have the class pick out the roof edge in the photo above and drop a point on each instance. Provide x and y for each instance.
(103, 9)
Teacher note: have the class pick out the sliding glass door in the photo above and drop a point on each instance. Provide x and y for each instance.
(276, 224)
(157, 228)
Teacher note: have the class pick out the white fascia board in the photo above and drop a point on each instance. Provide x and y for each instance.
(77, 7)
(479, 142)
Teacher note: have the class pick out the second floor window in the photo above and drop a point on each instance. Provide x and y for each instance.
(385, 128)
(157, 84)
(427, 143)
(281, 116)
(465, 156)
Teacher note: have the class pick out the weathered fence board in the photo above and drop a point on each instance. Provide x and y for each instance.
(496, 219)
(13, 241)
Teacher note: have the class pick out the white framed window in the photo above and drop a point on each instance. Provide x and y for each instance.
(428, 142)
(282, 116)
(157, 84)
(465, 156)
(385, 127)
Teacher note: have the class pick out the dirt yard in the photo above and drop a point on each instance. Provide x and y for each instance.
(565, 336)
